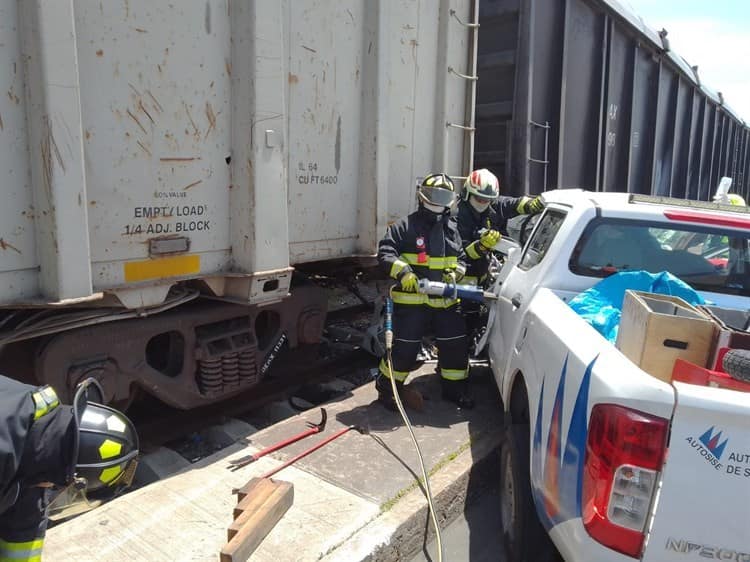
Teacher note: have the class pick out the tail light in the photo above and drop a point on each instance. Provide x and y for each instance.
(624, 452)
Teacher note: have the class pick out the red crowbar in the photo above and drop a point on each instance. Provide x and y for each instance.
(313, 429)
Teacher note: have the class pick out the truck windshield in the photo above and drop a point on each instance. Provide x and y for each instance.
(708, 259)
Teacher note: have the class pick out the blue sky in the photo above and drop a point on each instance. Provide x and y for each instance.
(715, 35)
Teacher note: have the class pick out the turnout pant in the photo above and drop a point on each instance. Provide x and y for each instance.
(411, 322)
(22, 527)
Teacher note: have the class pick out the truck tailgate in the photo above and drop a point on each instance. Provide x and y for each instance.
(702, 509)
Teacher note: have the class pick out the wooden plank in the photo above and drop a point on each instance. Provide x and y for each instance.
(260, 494)
(262, 497)
(248, 488)
(254, 493)
(252, 526)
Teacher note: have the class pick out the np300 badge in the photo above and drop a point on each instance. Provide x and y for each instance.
(706, 551)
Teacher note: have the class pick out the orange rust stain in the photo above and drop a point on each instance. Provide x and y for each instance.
(88, 135)
(6, 246)
(158, 106)
(228, 67)
(190, 117)
(146, 150)
(134, 118)
(144, 110)
(293, 78)
(100, 53)
(211, 116)
(192, 185)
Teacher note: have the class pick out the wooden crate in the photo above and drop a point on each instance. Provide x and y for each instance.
(656, 329)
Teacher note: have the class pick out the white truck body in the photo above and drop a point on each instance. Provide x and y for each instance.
(145, 142)
(698, 509)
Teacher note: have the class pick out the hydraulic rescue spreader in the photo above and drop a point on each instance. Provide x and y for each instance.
(468, 292)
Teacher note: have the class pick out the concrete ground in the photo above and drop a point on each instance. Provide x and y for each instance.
(357, 498)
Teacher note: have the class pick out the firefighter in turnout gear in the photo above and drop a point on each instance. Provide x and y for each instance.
(482, 218)
(46, 445)
(426, 245)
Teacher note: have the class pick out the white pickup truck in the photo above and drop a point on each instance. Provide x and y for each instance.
(607, 461)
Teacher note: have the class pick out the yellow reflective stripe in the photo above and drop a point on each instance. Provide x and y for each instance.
(45, 400)
(472, 250)
(442, 303)
(6, 546)
(433, 262)
(400, 376)
(408, 298)
(397, 267)
(443, 262)
(28, 551)
(454, 374)
(417, 298)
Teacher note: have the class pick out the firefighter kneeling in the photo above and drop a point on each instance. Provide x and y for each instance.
(46, 445)
(426, 245)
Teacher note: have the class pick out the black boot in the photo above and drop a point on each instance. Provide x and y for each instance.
(385, 391)
(457, 392)
(410, 396)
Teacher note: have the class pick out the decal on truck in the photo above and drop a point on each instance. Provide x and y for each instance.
(558, 486)
(712, 442)
(709, 446)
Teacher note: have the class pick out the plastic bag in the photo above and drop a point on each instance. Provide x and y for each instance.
(601, 305)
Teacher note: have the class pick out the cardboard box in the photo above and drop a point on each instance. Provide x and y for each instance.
(732, 332)
(655, 330)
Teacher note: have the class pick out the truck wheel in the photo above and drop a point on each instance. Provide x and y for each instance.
(523, 535)
(736, 363)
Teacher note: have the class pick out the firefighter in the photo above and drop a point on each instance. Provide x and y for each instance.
(426, 245)
(482, 219)
(45, 445)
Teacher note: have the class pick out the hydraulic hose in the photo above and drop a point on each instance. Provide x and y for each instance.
(400, 406)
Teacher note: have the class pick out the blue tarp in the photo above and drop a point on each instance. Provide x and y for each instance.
(601, 305)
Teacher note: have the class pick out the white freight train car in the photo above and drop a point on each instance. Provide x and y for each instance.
(154, 150)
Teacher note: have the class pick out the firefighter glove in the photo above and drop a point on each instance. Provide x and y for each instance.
(536, 205)
(449, 276)
(489, 239)
(408, 280)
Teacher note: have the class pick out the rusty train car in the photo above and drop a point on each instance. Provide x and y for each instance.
(168, 168)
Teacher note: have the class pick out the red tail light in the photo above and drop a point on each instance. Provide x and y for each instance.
(624, 452)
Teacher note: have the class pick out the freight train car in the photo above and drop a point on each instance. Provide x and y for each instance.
(581, 93)
(164, 167)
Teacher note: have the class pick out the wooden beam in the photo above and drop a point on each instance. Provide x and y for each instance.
(264, 504)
